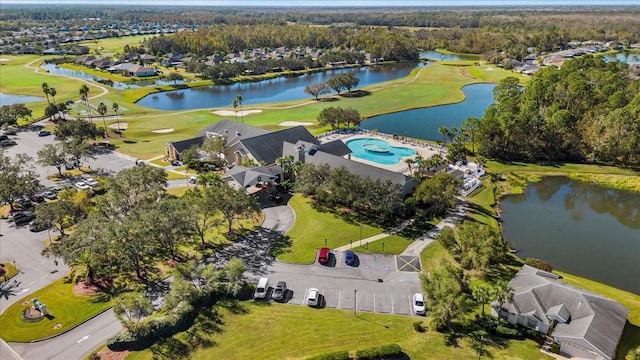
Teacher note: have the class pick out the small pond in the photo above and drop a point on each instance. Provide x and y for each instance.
(282, 88)
(53, 69)
(9, 99)
(580, 228)
(628, 58)
(424, 123)
(436, 55)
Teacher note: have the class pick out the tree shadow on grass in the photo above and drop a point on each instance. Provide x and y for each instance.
(170, 348)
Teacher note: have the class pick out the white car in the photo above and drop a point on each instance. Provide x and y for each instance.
(418, 304)
(313, 297)
(91, 182)
(80, 185)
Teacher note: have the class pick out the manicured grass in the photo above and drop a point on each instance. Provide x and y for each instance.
(280, 331)
(10, 270)
(178, 191)
(432, 256)
(394, 245)
(114, 45)
(312, 227)
(66, 309)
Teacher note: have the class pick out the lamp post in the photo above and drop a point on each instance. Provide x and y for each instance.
(383, 247)
(325, 242)
(355, 301)
(360, 234)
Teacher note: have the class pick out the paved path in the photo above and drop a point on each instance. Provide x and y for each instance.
(416, 247)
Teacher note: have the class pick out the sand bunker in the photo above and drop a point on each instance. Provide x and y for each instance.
(122, 126)
(233, 113)
(4, 59)
(162, 131)
(295, 123)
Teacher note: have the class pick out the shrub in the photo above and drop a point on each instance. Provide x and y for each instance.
(555, 348)
(94, 356)
(417, 326)
(540, 264)
(337, 355)
(382, 352)
(507, 332)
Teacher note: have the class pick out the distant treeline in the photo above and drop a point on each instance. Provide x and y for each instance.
(483, 31)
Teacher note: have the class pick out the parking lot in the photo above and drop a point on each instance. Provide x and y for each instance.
(373, 285)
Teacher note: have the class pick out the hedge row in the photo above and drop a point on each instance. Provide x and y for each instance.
(147, 332)
(382, 352)
(337, 355)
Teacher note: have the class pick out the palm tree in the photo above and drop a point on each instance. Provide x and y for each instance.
(409, 162)
(53, 92)
(443, 131)
(45, 90)
(239, 101)
(451, 133)
(102, 110)
(503, 293)
(84, 95)
(482, 294)
(235, 107)
(470, 125)
(115, 107)
(82, 268)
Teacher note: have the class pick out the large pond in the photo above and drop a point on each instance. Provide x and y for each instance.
(436, 55)
(278, 89)
(424, 123)
(53, 69)
(579, 228)
(9, 99)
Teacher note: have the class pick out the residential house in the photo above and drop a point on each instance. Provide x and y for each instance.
(585, 325)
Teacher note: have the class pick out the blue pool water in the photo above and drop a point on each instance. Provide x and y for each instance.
(379, 151)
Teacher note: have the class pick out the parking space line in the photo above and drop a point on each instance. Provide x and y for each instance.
(392, 304)
(339, 298)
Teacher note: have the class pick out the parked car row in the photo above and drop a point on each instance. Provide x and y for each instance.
(280, 292)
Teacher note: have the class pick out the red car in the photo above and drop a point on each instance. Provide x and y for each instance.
(323, 255)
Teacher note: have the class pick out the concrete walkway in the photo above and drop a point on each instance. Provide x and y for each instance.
(418, 245)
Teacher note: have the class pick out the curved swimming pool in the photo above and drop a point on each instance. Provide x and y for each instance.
(378, 151)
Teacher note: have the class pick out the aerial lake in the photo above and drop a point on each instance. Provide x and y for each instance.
(580, 228)
(436, 55)
(423, 123)
(282, 88)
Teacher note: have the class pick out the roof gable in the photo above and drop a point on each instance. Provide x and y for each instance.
(268, 147)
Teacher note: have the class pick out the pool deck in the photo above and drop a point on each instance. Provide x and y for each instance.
(425, 150)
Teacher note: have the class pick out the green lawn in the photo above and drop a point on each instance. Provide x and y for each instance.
(67, 310)
(311, 228)
(114, 45)
(10, 270)
(394, 245)
(280, 331)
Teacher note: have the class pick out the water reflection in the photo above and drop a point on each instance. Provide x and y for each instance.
(9, 99)
(436, 55)
(578, 227)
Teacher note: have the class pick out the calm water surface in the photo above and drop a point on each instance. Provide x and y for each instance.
(623, 57)
(436, 55)
(579, 228)
(9, 99)
(278, 89)
(378, 151)
(424, 123)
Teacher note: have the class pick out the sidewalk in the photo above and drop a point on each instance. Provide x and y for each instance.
(418, 245)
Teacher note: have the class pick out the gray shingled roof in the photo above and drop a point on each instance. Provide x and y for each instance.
(335, 147)
(596, 322)
(268, 147)
(183, 145)
(354, 167)
(246, 177)
(233, 131)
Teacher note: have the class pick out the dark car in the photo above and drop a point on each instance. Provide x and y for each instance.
(23, 218)
(10, 131)
(24, 202)
(4, 137)
(35, 226)
(44, 133)
(37, 197)
(280, 291)
(7, 143)
(349, 258)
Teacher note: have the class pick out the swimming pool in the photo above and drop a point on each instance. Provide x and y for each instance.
(378, 151)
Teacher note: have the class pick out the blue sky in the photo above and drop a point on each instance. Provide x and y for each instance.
(337, 3)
